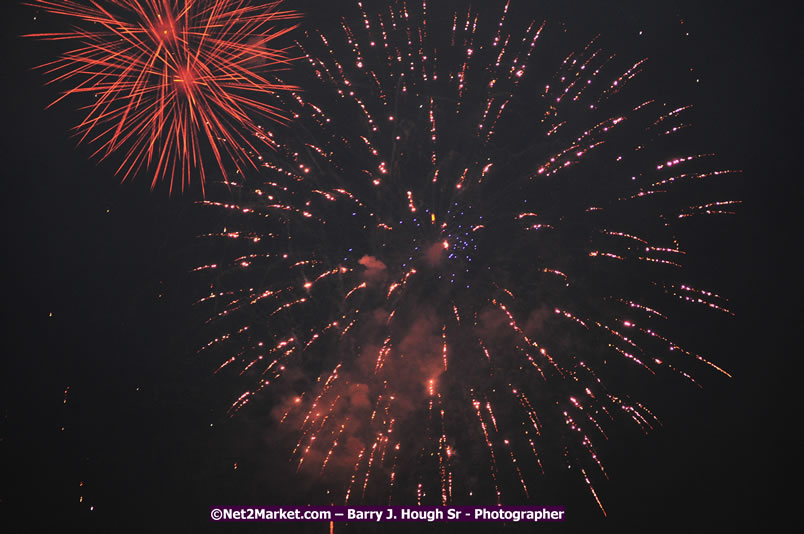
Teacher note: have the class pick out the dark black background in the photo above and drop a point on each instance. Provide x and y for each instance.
(108, 262)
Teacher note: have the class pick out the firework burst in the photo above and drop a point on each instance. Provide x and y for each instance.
(172, 82)
(433, 286)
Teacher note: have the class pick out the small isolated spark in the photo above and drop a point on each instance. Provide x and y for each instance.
(173, 83)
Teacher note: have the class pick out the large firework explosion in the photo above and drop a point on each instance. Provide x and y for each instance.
(444, 284)
(172, 83)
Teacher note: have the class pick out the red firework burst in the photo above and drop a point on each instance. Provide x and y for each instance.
(171, 80)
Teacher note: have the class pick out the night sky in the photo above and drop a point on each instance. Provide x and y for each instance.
(104, 402)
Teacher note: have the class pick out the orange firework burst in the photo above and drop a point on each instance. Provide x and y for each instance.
(173, 82)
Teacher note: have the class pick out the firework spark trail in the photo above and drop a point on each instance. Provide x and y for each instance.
(171, 80)
(433, 238)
